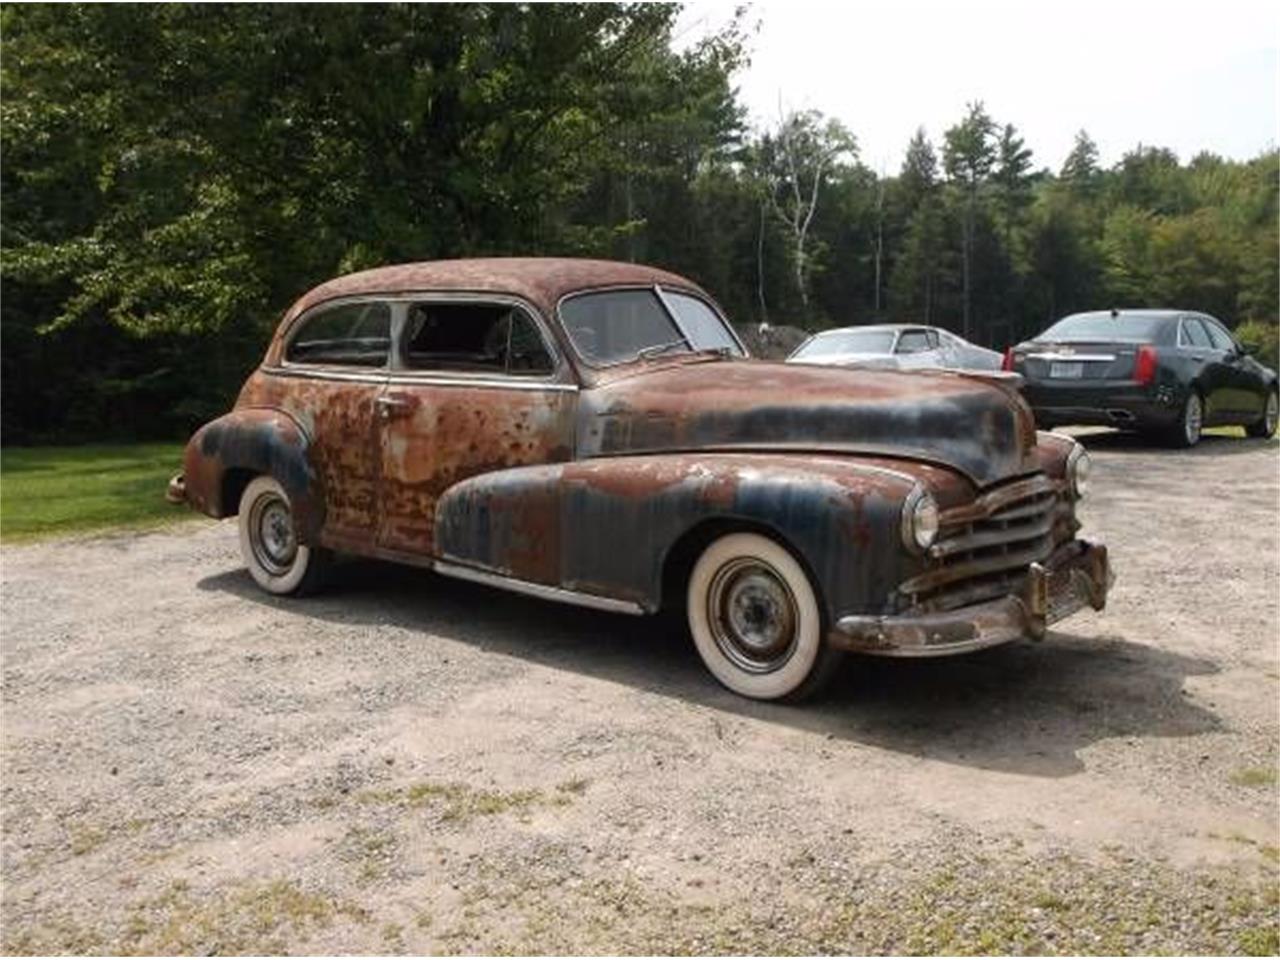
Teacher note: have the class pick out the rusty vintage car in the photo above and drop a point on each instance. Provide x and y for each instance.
(594, 433)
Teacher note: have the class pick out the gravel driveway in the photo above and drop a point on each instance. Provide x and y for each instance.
(409, 763)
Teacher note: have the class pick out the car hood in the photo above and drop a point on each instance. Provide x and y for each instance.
(977, 426)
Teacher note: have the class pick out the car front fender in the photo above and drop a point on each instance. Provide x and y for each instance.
(608, 526)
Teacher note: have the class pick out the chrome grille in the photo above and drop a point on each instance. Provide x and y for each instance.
(986, 546)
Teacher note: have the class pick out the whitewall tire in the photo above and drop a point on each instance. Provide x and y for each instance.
(269, 545)
(756, 620)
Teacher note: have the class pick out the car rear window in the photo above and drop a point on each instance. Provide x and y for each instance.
(346, 335)
(850, 341)
(1104, 326)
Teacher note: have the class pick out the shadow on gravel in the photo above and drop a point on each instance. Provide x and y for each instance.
(1023, 708)
(1210, 445)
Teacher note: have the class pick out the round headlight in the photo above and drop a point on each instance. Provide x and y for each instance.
(1078, 467)
(919, 521)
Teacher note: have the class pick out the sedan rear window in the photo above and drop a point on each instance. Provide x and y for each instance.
(850, 341)
(1104, 326)
(347, 335)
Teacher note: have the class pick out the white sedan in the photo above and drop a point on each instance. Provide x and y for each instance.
(896, 346)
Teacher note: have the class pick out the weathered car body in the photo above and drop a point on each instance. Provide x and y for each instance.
(606, 482)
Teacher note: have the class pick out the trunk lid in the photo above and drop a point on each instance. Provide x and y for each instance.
(1096, 359)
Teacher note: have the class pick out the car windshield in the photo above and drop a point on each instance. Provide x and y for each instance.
(615, 326)
(847, 341)
(1104, 326)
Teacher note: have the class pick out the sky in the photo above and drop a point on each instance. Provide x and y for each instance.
(1189, 77)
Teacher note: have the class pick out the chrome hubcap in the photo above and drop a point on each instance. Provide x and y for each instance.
(753, 615)
(271, 528)
(1193, 418)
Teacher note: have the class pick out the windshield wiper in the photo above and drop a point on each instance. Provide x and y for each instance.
(646, 352)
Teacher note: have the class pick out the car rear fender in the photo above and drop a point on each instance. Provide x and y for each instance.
(609, 526)
(248, 442)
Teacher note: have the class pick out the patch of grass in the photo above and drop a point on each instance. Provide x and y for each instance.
(393, 935)
(50, 491)
(1260, 942)
(86, 839)
(1254, 777)
(1049, 901)
(455, 801)
(370, 849)
(246, 919)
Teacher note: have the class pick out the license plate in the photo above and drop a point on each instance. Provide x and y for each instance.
(1066, 370)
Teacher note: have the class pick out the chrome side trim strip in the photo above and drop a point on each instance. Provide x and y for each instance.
(404, 379)
(1071, 356)
(377, 377)
(558, 594)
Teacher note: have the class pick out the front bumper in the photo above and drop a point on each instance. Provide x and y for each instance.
(177, 490)
(1077, 575)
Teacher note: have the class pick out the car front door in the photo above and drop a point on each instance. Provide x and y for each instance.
(476, 386)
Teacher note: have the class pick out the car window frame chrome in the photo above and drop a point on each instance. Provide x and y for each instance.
(561, 378)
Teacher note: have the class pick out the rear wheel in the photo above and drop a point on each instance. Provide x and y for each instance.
(1186, 432)
(269, 542)
(1266, 425)
(756, 621)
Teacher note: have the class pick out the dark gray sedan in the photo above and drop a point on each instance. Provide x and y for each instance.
(1166, 372)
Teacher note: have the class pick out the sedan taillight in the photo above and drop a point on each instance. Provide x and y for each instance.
(1144, 365)
(1007, 363)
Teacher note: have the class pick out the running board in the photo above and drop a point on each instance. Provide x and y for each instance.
(542, 591)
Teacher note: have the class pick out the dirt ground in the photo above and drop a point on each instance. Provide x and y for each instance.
(414, 764)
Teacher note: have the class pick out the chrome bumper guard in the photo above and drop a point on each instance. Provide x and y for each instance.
(1077, 575)
(177, 492)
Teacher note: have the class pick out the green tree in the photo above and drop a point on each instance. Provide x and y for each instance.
(1081, 166)
(796, 160)
(968, 157)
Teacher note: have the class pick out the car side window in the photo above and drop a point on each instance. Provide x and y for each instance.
(699, 321)
(349, 335)
(474, 338)
(932, 337)
(913, 341)
(1193, 334)
(1221, 339)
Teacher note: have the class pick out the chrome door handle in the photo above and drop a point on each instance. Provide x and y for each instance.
(388, 405)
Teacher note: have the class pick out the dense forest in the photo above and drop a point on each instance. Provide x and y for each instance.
(174, 176)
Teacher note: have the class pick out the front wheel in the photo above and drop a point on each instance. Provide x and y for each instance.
(756, 621)
(1265, 426)
(269, 542)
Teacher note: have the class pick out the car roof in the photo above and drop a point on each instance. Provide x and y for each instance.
(1162, 313)
(884, 327)
(543, 281)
